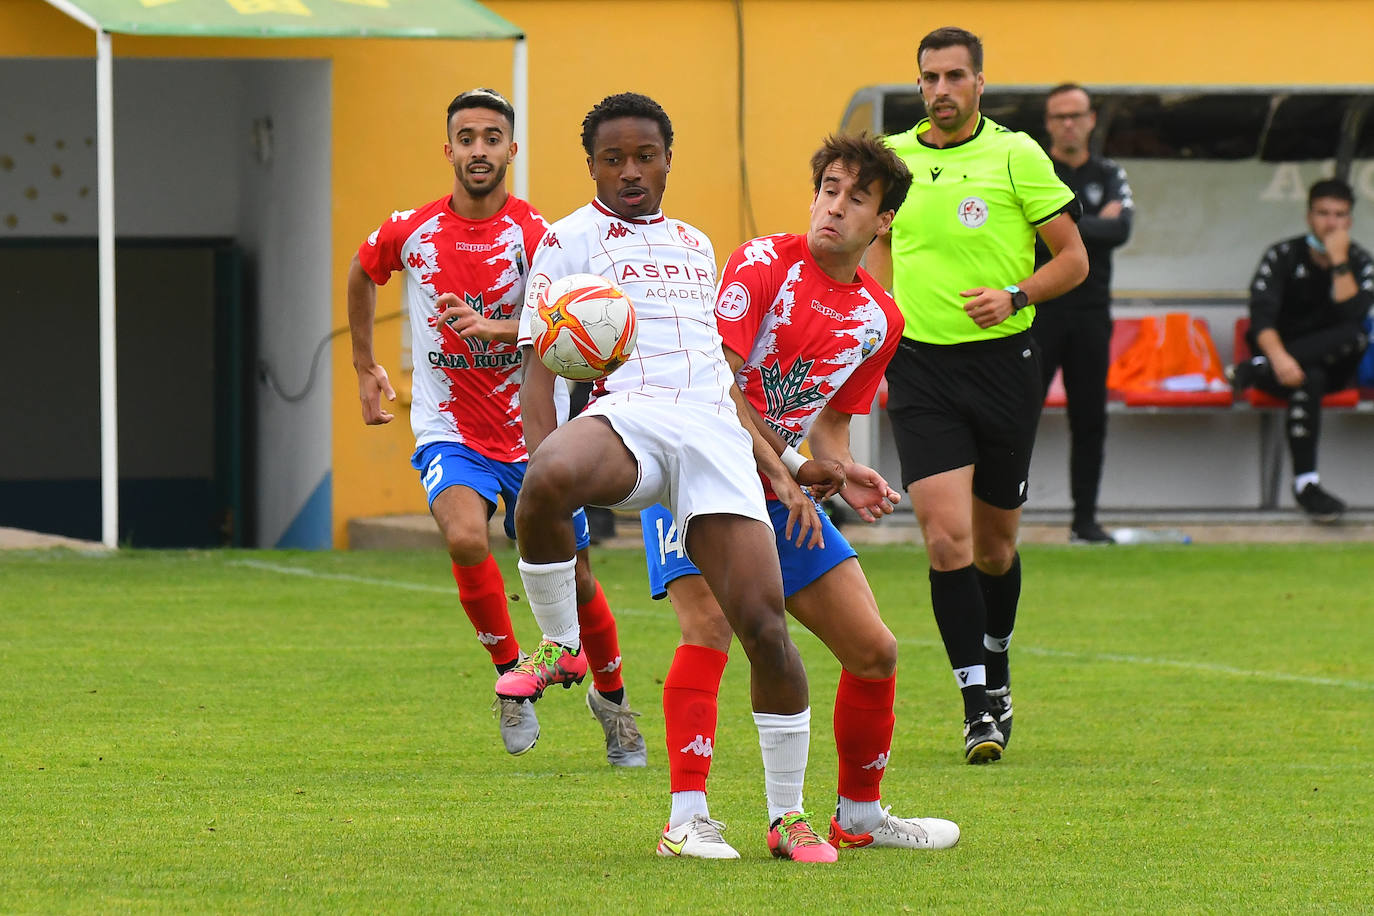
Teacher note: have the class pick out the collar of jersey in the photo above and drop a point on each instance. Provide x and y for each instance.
(638, 220)
(448, 208)
(982, 122)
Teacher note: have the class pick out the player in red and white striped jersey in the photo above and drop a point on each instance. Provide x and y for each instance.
(665, 428)
(465, 258)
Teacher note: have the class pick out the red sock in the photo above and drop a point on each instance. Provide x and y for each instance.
(863, 733)
(689, 715)
(482, 593)
(600, 641)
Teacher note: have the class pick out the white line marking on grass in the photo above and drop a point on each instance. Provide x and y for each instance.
(1206, 667)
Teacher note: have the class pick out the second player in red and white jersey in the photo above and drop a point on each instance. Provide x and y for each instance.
(839, 337)
(668, 269)
(465, 390)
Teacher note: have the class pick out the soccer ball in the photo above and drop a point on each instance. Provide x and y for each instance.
(584, 327)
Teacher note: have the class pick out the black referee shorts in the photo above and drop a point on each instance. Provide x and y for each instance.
(974, 403)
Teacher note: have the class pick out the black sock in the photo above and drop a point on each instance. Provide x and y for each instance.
(506, 666)
(615, 696)
(959, 614)
(1001, 594)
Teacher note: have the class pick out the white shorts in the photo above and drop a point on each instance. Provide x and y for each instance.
(692, 459)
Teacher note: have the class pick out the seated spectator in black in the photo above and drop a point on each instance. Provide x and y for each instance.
(1307, 301)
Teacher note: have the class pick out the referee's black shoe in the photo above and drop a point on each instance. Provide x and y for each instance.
(983, 741)
(1089, 533)
(1001, 712)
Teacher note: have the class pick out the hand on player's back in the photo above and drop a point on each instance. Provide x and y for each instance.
(821, 476)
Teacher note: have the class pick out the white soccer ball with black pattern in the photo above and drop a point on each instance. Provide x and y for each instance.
(584, 327)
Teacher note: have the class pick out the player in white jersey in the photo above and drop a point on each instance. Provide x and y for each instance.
(666, 428)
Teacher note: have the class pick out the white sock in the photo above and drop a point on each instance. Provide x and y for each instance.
(552, 592)
(973, 674)
(784, 741)
(1303, 480)
(858, 816)
(996, 644)
(686, 804)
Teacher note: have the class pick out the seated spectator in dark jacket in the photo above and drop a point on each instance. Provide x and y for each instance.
(1307, 301)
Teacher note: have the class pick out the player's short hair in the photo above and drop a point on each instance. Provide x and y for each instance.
(872, 161)
(1069, 87)
(949, 37)
(625, 105)
(481, 97)
(1330, 187)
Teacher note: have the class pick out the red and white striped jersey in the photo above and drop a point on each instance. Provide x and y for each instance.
(464, 390)
(668, 270)
(807, 341)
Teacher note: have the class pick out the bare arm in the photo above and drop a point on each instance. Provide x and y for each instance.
(864, 488)
(538, 414)
(801, 513)
(1066, 268)
(373, 383)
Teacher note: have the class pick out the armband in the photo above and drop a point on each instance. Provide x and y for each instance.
(793, 460)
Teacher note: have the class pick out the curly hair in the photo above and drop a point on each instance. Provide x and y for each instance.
(625, 105)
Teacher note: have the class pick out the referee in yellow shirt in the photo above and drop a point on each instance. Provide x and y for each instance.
(964, 389)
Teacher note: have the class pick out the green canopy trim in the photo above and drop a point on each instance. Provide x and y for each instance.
(300, 18)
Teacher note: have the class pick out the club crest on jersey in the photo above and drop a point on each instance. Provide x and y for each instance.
(732, 302)
(618, 231)
(1093, 192)
(872, 340)
(687, 237)
(973, 212)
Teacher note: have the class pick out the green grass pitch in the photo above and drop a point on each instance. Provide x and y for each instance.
(311, 732)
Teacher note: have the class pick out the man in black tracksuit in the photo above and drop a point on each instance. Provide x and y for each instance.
(1075, 330)
(1308, 299)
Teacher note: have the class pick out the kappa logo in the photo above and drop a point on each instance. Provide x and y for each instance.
(551, 241)
(701, 746)
(618, 231)
(759, 251)
(416, 260)
(973, 212)
(611, 666)
(489, 639)
(879, 764)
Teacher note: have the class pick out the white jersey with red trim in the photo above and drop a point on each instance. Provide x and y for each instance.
(807, 340)
(668, 270)
(464, 390)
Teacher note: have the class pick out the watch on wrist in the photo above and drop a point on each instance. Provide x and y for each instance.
(1019, 299)
(1341, 268)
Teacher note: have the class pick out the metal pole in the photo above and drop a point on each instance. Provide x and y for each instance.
(520, 86)
(109, 414)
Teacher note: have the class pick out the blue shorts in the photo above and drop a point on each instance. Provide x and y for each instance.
(666, 555)
(449, 464)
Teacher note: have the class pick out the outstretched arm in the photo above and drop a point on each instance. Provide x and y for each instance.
(864, 489)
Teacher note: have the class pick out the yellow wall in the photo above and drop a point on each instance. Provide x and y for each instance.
(803, 60)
